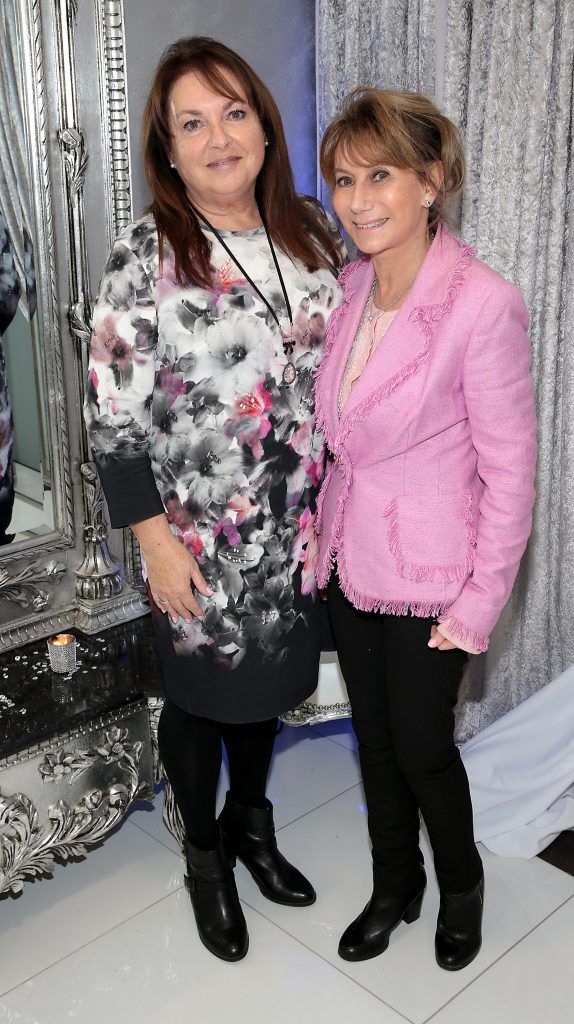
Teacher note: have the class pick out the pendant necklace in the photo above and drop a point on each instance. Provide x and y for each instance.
(289, 371)
(375, 310)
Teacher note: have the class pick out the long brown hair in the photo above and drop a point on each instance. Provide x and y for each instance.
(295, 223)
(404, 129)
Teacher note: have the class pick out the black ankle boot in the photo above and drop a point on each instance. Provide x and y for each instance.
(369, 934)
(211, 885)
(249, 834)
(458, 935)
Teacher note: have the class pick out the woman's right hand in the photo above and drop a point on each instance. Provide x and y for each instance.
(171, 570)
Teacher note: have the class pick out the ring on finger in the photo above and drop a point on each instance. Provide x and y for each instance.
(163, 600)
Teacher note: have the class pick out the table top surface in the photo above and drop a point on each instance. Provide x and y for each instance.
(114, 668)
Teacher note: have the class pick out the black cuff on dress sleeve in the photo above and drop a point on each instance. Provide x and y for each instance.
(130, 489)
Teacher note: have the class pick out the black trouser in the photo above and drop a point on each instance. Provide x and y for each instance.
(402, 695)
(190, 751)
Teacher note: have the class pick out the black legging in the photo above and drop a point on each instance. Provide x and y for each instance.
(403, 694)
(190, 751)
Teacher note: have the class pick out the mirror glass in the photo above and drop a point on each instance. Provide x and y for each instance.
(25, 471)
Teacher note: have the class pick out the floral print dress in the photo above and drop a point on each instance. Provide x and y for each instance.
(187, 412)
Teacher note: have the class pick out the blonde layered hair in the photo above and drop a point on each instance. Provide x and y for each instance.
(403, 129)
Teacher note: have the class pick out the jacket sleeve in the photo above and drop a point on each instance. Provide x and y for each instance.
(117, 406)
(500, 406)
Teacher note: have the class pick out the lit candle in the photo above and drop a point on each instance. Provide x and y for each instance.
(62, 652)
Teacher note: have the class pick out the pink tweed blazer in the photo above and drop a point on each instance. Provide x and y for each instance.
(426, 506)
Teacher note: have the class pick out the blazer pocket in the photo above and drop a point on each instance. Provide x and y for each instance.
(432, 536)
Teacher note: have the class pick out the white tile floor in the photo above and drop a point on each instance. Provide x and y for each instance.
(111, 940)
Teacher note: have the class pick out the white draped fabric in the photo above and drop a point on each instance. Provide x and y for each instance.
(521, 772)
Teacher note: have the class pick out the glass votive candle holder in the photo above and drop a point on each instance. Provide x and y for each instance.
(62, 691)
(62, 652)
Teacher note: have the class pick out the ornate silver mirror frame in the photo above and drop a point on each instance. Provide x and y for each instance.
(68, 577)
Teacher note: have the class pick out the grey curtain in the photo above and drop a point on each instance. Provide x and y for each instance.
(508, 83)
(504, 71)
(387, 43)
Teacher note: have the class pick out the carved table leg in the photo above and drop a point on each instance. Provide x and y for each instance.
(171, 816)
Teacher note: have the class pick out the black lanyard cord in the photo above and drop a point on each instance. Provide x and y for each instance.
(278, 269)
(241, 268)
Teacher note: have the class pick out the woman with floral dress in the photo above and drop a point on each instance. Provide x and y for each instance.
(207, 333)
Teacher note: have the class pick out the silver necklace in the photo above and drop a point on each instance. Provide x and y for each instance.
(383, 309)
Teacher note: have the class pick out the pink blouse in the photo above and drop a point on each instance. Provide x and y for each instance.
(371, 332)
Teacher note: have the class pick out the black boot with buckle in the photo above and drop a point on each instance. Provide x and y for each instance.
(249, 834)
(218, 914)
(459, 928)
(369, 933)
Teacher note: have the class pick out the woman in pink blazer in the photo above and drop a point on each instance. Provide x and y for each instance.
(425, 399)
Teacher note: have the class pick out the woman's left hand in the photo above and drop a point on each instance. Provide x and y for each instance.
(438, 640)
